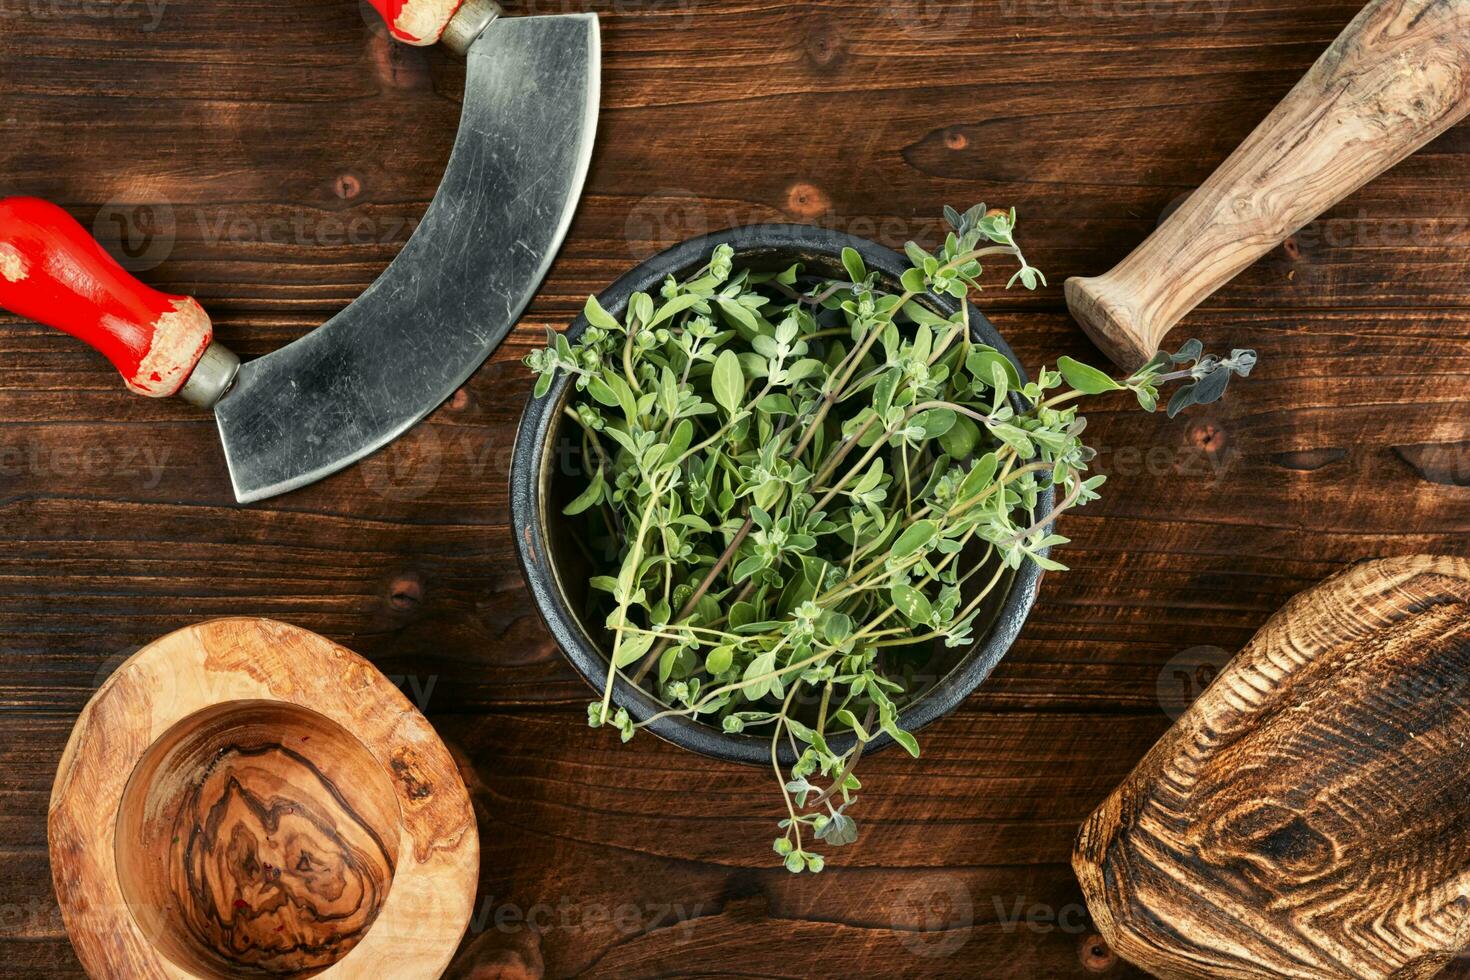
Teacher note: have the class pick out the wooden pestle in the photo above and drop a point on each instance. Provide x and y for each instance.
(1396, 78)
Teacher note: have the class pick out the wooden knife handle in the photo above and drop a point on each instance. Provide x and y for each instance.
(53, 272)
(422, 22)
(1397, 77)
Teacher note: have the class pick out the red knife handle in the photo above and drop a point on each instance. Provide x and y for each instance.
(455, 22)
(53, 272)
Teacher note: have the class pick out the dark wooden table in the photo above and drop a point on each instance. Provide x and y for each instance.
(272, 157)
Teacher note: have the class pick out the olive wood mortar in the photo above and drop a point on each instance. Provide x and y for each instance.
(1309, 815)
(244, 798)
(1397, 77)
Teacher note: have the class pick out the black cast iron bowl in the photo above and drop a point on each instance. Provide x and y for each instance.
(557, 573)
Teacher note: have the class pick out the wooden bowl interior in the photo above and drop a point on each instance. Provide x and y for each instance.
(256, 839)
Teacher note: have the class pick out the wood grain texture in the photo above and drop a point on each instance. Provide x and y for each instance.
(252, 159)
(265, 815)
(267, 832)
(1397, 77)
(244, 798)
(1306, 816)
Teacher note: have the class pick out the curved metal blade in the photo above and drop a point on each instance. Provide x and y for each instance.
(367, 375)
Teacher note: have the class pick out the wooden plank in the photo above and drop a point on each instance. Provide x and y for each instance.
(279, 170)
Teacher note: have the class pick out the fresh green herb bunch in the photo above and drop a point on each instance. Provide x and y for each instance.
(810, 485)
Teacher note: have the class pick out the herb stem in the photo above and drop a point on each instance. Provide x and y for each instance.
(780, 528)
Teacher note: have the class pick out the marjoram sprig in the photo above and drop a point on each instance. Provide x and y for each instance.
(804, 490)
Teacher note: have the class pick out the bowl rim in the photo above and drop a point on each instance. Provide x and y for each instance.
(225, 662)
(530, 456)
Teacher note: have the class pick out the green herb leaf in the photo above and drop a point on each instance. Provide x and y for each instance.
(598, 389)
(916, 536)
(909, 743)
(719, 659)
(961, 439)
(778, 462)
(849, 719)
(590, 497)
(935, 422)
(728, 382)
(1085, 378)
(632, 649)
(839, 831)
(912, 604)
(740, 314)
(599, 317)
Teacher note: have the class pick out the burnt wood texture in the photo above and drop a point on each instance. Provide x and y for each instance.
(1307, 816)
(271, 159)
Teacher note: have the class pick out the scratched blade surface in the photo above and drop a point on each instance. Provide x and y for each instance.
(367, 375)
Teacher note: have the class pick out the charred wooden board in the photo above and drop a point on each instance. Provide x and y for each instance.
(1307, 817)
